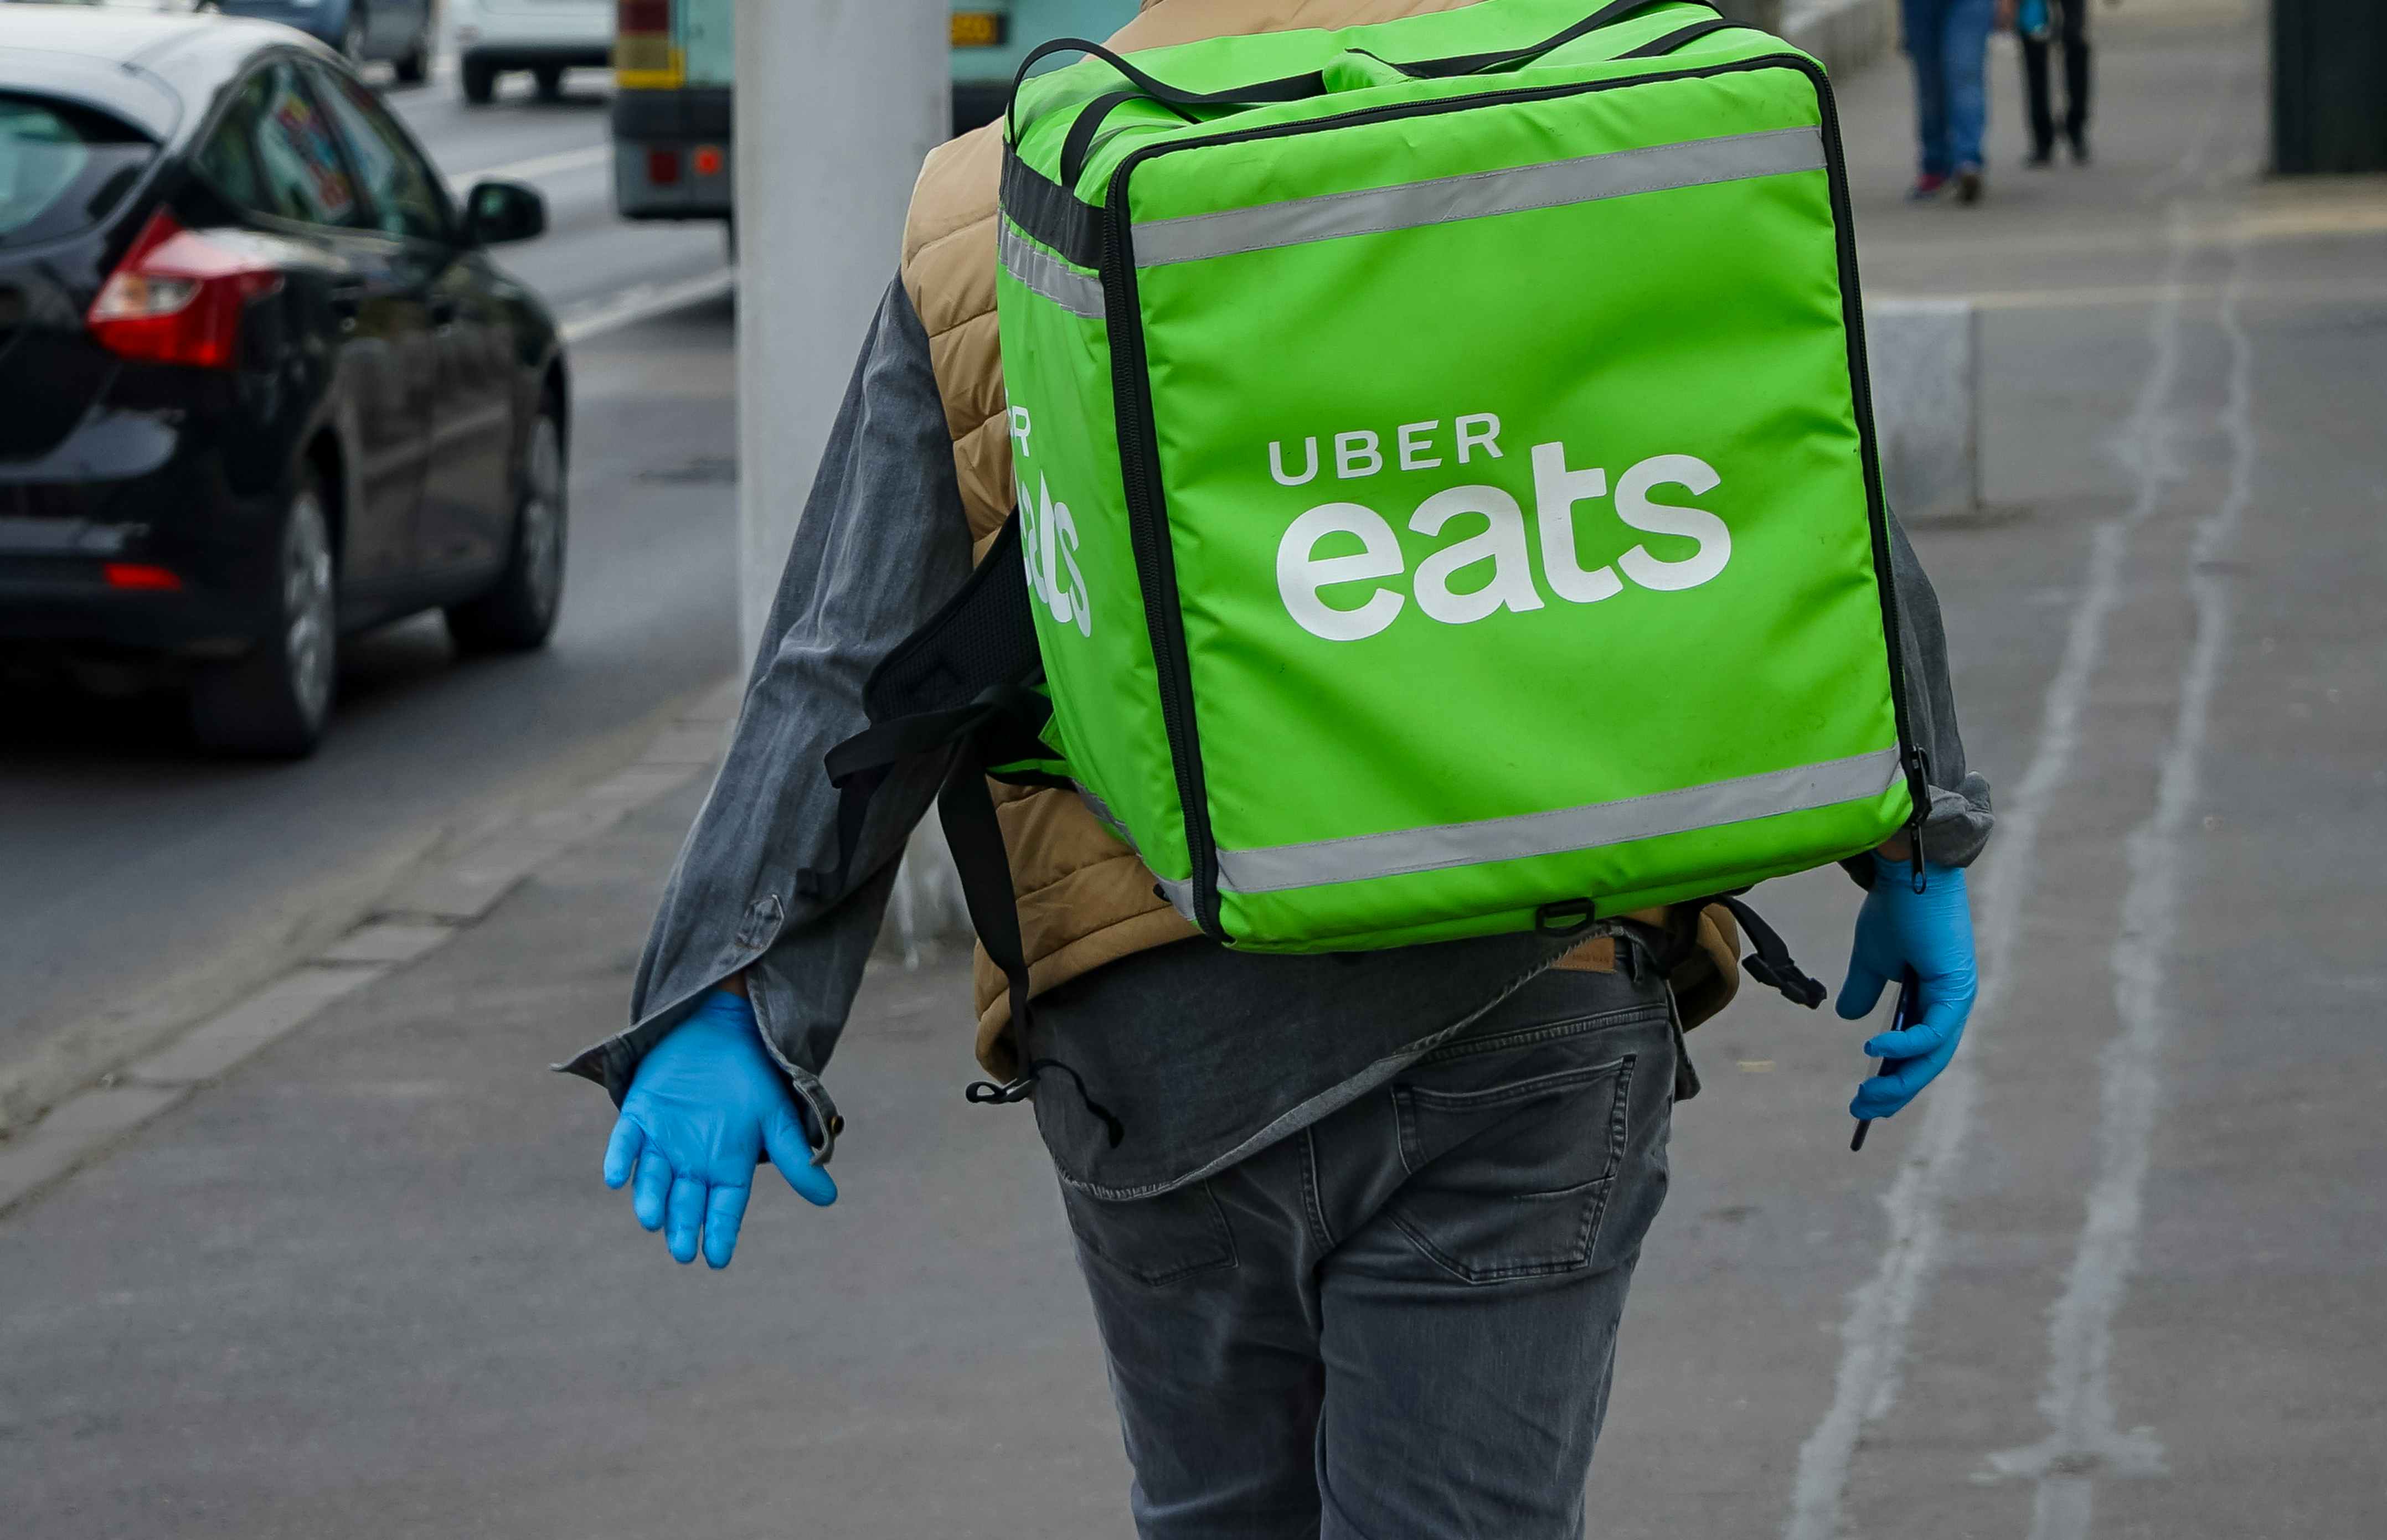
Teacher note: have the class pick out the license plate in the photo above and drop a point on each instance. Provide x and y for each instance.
(978, 28)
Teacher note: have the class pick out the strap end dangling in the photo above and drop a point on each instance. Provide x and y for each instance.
(1770, 964)
(1787, 980)
(988, 1093)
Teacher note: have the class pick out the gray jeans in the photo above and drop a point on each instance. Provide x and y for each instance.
(1402, 1321)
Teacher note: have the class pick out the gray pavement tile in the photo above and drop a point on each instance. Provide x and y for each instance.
(222, 1040)
(386, 941)
(75, 1133)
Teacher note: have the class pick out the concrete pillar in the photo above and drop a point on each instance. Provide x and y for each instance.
(837, 102)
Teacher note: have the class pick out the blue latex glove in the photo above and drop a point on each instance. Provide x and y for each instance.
(704, 1108)
(1932, 933)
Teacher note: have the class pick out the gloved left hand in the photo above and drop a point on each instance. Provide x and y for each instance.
(1932, 933)
(704, 1106)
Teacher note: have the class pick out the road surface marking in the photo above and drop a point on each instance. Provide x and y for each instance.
(645, 302)
(1881, 1310)
(536, 167)
(2084, 1437)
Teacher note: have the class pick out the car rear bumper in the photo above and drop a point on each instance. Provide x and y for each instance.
(72, 603)
(537, 53)
(166, 557)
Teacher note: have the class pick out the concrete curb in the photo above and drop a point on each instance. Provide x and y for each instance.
(416, 919)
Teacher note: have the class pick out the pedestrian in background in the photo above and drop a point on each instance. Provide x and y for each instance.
(1949, 43)
(2043, 24)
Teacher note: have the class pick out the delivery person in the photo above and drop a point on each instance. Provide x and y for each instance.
(1359, 1260)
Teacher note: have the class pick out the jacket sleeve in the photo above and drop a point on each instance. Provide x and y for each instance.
(1959, 821)
(882, 543)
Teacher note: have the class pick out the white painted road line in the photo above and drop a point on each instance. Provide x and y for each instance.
(2085, 1437)
(1881, 1310)
(536, 167)
(646, 301)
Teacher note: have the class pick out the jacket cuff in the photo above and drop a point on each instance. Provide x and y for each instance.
(614, 1062)
(1954, 832)
(1958, 824)
(823, 1123)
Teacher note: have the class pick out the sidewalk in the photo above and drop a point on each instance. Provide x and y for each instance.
(2119, 1274)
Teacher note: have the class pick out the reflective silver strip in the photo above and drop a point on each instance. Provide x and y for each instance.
(1655, 169)
(1080, 293)
(1179, 893)
(1104, 816)
(1359, 858)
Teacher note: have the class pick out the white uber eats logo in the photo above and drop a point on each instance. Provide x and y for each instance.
(1048, 538)
(1301, 575)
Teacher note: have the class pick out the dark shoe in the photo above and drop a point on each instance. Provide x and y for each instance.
(1927, 187)
(2078, 139)
(2041, 158)
(1968, 184)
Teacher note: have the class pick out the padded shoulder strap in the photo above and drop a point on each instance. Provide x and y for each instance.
(966, 678)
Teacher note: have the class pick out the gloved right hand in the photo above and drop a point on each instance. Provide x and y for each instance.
(706, 1105)
(1930, 932)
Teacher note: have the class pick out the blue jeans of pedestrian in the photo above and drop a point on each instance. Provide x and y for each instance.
(1949, 41)
(1400, 1322)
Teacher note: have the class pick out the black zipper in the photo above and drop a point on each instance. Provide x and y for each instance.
(1156, 560)
(1139, 455)
(1912, 759)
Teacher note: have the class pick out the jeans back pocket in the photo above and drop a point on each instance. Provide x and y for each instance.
(1155, 1240)
(1512, 1180)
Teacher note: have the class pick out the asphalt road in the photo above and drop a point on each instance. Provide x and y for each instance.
(147, 882)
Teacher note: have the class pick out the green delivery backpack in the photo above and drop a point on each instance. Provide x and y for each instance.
(1447, 496)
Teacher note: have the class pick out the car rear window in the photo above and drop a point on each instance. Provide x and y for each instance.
(62, 167)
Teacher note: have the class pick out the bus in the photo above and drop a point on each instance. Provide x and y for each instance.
(674, 61)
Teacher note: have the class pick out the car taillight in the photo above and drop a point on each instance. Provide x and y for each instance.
(177, 298)
(140, 574)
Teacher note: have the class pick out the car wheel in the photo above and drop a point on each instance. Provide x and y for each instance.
(551, 81)
(518, 610)
(352, 35)
(275, 700)
(414, 65)
(480, 84)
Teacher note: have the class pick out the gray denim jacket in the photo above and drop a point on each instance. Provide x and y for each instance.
(882, 543)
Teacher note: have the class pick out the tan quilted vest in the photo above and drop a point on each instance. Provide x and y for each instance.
(1084, 898)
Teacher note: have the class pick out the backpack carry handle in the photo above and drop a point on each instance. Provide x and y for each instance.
(1291, 88)
(1476, 64)
(1302, 87)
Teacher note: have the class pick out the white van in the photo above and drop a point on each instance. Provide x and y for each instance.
(546, 37)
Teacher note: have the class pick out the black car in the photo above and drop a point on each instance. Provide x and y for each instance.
(259, 383)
